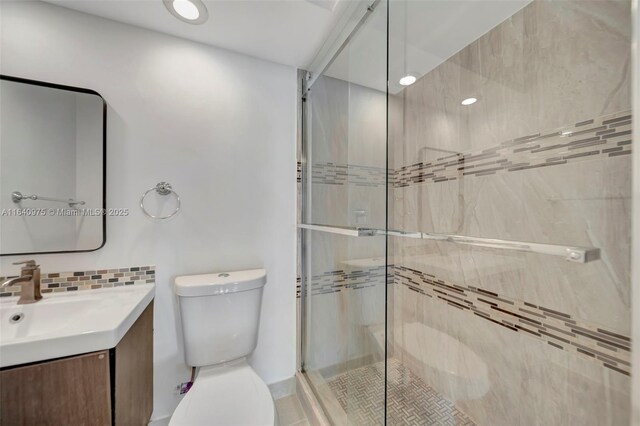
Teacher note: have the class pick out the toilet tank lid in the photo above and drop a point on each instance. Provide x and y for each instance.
(220, 282)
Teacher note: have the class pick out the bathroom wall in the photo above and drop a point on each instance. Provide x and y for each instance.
(219, 126)
(543, 156)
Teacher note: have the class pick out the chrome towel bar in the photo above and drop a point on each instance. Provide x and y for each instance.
(17, 196)
(569, 253)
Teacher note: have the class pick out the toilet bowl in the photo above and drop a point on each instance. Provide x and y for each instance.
(220, 317)
(231, 394)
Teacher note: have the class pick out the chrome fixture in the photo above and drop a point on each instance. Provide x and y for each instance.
(342, 230)
(17, 196)
(164, 189)
(570, 253)
(29, 281)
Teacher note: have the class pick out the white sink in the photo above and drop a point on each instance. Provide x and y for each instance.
(69, 323)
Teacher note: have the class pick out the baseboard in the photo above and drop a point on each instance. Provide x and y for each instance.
(160, 421)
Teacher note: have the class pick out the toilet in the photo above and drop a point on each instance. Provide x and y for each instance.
(220, 316)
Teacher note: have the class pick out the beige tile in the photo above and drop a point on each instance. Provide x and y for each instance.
(289, 411)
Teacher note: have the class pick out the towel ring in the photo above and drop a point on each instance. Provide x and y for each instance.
(162, 188)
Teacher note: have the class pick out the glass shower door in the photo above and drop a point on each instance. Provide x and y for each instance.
(511, 306)
(344, 215)
(467, 216)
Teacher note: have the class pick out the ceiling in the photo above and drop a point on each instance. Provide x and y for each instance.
(288, 32)
(423, 33)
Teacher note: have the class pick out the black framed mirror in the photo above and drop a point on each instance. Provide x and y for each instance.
(53, 163)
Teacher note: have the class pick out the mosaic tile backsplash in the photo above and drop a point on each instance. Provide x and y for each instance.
(88, 280)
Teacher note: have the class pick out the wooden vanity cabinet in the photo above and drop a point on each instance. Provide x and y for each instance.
(110, 387)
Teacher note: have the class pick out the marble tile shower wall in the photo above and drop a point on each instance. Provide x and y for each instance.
(57, 282)
(347, 155)
(608, 136)
(558, 329)
(541, 157)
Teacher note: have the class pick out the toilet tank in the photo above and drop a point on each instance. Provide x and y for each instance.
(220, 315)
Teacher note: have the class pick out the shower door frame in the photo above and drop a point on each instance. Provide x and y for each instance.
(635, 219)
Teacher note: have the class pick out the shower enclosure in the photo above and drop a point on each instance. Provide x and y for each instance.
(465, 215)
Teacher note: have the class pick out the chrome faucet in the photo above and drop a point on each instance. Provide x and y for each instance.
(29, 281)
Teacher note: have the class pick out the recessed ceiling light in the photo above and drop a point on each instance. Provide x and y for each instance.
(469, 101)
(407, 80)
(191, 11)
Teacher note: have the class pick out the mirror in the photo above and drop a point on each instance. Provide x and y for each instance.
(52, 168)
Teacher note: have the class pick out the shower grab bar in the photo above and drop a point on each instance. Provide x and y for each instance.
(17, 196)
(569, 253)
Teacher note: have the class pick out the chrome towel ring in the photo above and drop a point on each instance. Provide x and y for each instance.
(162, 188)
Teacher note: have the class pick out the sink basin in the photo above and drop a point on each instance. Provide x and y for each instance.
(25, 321)
(69, 323)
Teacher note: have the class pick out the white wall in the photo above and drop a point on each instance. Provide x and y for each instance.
(220, 127)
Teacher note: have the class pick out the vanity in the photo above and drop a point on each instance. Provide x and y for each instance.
(76, 348)
(77, 358)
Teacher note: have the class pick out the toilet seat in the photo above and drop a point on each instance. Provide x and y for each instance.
(228, 394)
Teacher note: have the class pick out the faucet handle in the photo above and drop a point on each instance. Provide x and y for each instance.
(29, 265)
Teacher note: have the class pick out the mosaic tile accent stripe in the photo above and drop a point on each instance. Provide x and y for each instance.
(336, 281)
(558, 329)
(88, 280)
(598, 138)
(602, 137)
(410, 401)
(343, 174)
(299, 172)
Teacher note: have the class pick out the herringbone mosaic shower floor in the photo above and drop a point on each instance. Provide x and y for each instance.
(360, 392)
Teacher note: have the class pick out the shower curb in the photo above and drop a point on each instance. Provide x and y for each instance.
(310, 404)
